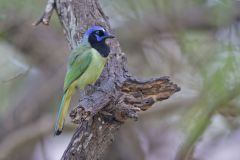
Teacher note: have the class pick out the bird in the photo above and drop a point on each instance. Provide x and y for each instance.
(85, 65)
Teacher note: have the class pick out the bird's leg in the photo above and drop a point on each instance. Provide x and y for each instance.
(89, 89)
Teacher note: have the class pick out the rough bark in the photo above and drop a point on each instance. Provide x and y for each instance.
(117, 95)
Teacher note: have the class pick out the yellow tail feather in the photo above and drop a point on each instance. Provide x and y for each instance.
(63, 110)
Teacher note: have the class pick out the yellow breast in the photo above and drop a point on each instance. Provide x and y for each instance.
(93, 71)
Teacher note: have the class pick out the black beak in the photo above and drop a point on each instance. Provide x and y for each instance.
(109, 36)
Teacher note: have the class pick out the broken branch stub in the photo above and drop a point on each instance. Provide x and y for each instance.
(131, 97)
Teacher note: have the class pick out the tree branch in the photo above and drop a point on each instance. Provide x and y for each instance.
(117, 95)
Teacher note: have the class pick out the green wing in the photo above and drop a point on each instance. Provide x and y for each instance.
(78, 63)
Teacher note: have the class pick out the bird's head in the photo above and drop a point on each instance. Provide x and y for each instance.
(96, 34)
(96, 37)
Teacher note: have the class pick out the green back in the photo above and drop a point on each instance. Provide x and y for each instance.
(79, 61)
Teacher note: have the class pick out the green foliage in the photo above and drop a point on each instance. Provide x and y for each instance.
(221, 85)
(221, 11)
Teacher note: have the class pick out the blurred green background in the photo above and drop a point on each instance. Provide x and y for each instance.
(196, 43)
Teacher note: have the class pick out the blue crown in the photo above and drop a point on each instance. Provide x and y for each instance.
(90, 31)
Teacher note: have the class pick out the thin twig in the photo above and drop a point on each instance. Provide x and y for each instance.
(46, 16)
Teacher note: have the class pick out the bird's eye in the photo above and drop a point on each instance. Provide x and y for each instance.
(100, 33)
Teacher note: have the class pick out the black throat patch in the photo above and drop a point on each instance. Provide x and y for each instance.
(102, 48)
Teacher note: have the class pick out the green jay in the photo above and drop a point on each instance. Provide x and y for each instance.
(85, 65)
